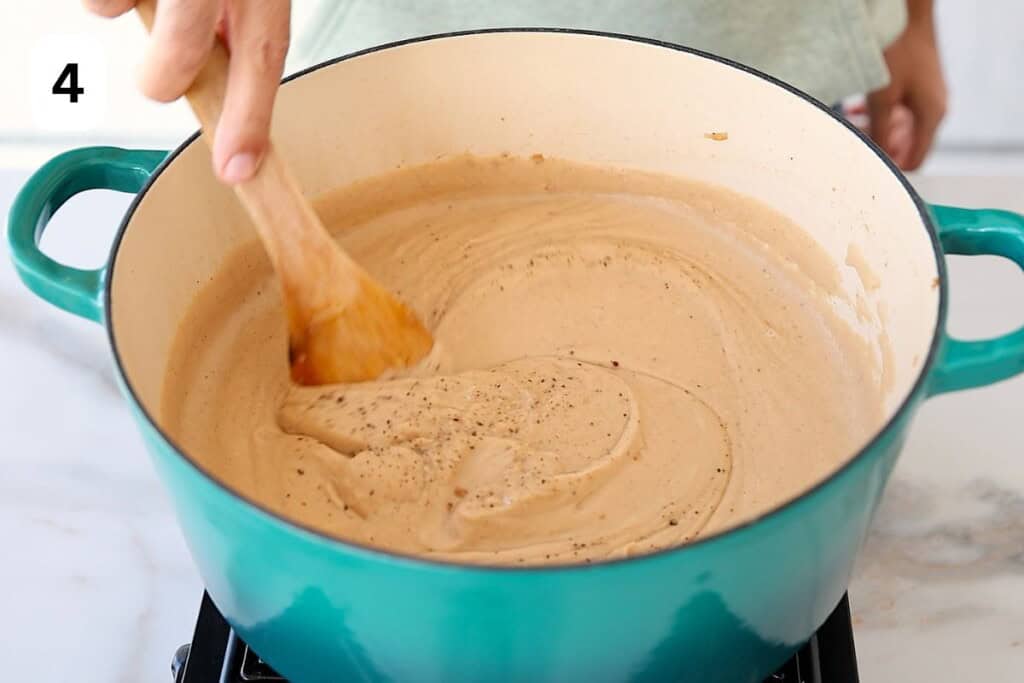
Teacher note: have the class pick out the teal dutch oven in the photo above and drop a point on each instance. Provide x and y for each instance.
(731, 606)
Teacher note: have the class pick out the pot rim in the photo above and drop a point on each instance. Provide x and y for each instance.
(376, 553)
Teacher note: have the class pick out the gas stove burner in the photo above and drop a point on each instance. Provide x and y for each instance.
(217, 655)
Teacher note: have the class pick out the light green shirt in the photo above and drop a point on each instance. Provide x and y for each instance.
(829, 48)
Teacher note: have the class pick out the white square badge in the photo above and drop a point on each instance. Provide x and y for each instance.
(67, 83)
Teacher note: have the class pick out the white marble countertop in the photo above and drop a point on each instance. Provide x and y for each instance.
(98, 585)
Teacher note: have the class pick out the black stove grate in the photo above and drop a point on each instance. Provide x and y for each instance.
(217, 655)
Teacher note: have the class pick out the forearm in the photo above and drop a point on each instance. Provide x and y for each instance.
(921, 13)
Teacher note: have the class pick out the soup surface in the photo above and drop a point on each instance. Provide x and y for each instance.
(624, 362)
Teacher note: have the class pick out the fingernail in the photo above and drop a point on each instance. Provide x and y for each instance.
(239, 168)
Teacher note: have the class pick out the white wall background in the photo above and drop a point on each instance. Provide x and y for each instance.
(982, 45)
(983, 49)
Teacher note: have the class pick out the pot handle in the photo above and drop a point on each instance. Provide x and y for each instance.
(75, 290)
(972, 232)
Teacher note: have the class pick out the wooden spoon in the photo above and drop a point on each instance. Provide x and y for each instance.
(343, 326)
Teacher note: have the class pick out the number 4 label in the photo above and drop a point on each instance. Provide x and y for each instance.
(67, 82)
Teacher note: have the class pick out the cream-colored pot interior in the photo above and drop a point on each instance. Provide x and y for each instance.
(586, 98)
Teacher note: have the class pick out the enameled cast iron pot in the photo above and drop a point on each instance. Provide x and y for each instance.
(731, 607)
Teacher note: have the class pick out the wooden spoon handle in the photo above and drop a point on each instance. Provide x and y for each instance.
(300, 248)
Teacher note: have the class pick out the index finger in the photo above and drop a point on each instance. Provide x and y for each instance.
(182, 36)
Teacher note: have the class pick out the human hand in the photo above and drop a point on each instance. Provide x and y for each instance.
(905, 115)
(256, 33)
